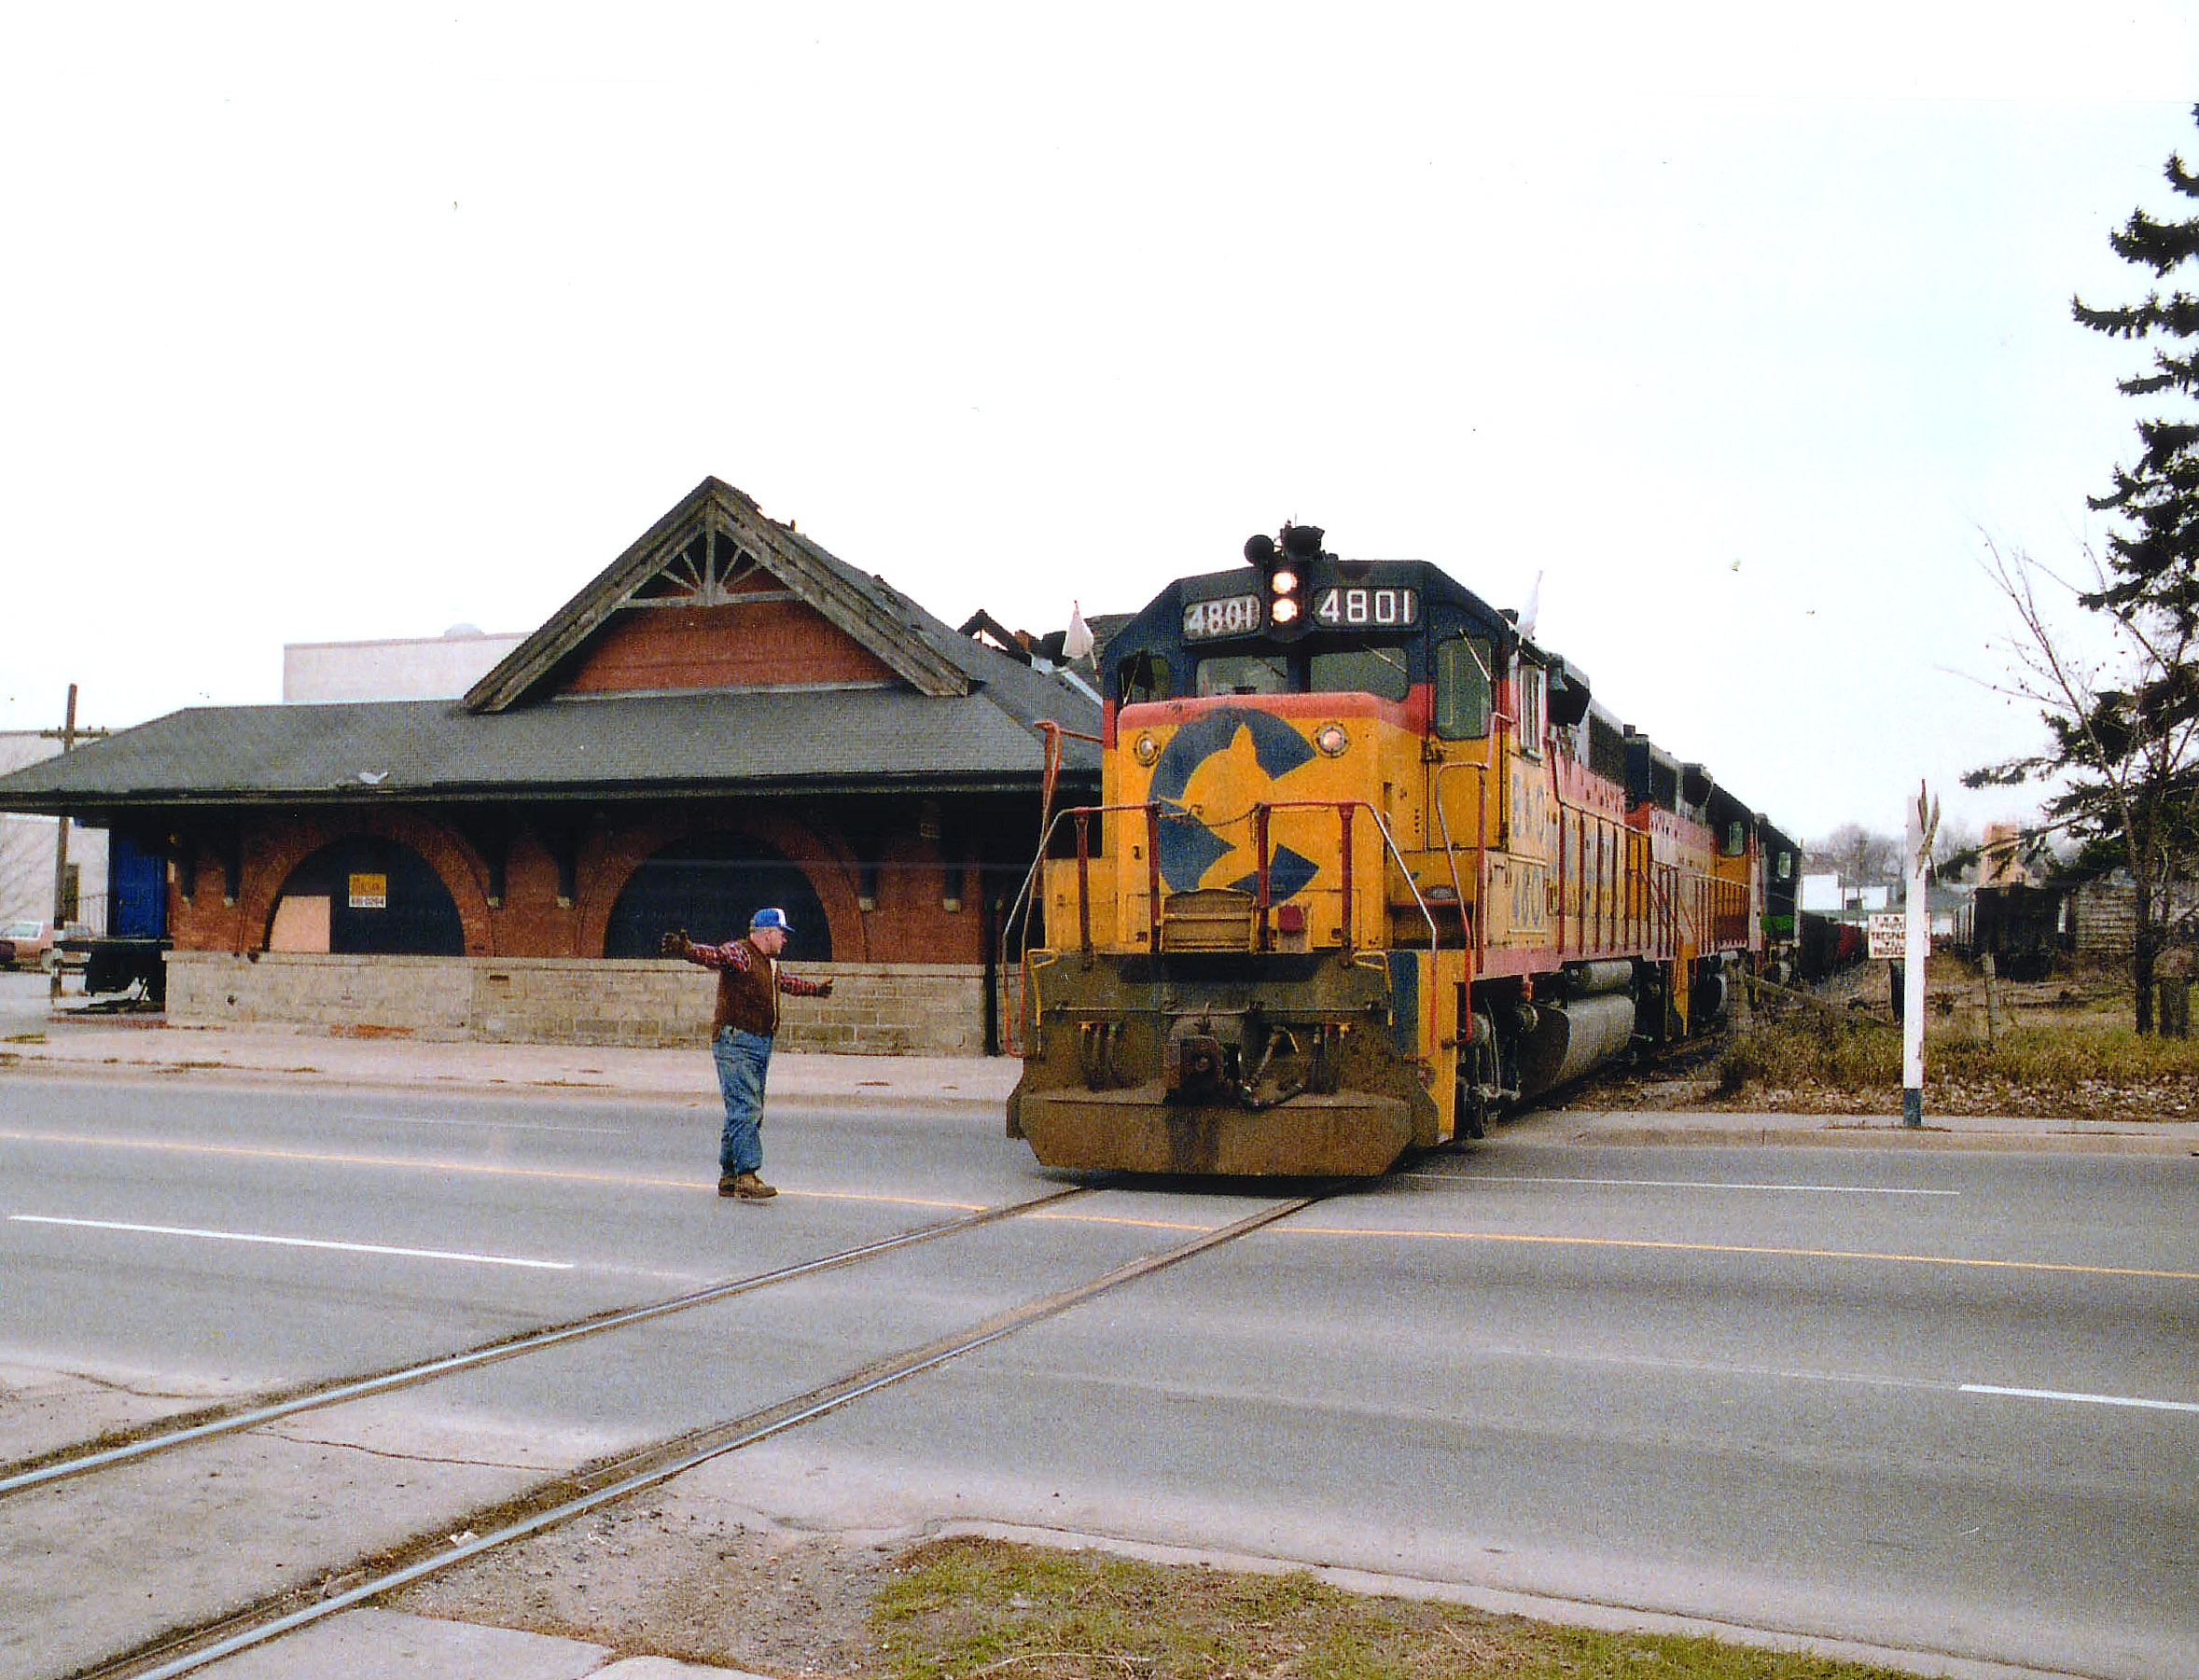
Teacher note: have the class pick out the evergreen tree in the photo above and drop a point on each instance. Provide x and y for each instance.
(2154, 555)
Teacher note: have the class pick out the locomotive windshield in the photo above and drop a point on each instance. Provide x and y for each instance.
(1244, 673)
(1381, 672)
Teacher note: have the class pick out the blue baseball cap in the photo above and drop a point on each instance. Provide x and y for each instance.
(770, 916)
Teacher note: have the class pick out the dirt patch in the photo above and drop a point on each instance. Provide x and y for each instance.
(649, 1582)
(655, 1580)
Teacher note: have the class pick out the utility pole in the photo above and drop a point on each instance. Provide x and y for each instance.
(68, 735)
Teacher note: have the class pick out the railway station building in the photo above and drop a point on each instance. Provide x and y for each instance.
(727, 717)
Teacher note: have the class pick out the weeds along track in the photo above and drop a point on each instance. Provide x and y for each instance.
(193, 1640)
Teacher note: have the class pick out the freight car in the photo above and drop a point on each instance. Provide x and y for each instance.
(1370, 865)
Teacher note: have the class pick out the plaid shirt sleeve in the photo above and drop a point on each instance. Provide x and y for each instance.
(714, 957)
(733, 954)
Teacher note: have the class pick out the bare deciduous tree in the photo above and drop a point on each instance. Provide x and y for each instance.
(1857, 855)
(2123, 726)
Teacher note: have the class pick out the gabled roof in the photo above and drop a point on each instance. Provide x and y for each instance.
(675, 558)
(970, 718)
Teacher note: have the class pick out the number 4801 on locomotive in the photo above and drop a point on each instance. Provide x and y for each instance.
(1369, 866)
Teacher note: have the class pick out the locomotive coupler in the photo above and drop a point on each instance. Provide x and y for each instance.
(1195, 1062)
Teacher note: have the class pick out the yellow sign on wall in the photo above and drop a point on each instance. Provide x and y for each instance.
(369, 892)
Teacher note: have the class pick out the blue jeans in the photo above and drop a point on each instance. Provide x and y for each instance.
(743, 1058)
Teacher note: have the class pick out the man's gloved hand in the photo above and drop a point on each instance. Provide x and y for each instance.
(674, 944)
(824, 987)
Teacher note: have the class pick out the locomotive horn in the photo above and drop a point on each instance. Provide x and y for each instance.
(1259, 549)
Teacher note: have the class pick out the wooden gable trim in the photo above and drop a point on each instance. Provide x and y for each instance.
(806, 571)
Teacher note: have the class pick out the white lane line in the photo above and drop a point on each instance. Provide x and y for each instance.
(1681, 1184)
(2055, 1394)
(398, 1119)
(232, 1236)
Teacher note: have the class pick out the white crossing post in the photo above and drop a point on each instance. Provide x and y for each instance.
(1923, 825)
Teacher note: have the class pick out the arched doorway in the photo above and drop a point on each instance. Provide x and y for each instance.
(710, 885)
(365, 896)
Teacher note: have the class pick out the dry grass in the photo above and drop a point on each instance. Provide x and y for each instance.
(2062, 1047)
(962, 1609)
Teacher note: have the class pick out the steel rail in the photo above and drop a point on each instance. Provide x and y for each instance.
(636, 1472)
(357, 1388)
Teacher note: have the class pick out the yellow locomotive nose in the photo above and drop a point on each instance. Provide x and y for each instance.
(1215, 771)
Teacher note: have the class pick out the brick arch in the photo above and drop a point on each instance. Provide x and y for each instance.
(611, 857)
(287, 844)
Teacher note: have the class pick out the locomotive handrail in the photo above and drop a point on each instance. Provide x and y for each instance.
(1021, 905)
(1344, 808)
(1082, 814)
(1480, 851)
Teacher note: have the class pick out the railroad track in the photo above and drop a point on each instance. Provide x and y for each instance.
(195, 1642)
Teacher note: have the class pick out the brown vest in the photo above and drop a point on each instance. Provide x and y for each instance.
(749, 999)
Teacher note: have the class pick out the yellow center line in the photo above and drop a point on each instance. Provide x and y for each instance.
(416, 1164)
(1732, 1248)
(1125, 1220)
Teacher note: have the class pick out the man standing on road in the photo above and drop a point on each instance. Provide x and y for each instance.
(748, 987)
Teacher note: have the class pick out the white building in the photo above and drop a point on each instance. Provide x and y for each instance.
(413, 668)
(27, 844)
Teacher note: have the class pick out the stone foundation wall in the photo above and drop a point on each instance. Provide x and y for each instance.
(876, 1008)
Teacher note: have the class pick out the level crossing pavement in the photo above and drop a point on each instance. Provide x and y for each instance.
(38, 1041)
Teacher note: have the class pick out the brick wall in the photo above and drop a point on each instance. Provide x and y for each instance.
(933, 1009)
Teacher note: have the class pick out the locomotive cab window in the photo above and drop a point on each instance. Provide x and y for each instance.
(1736, 840)
(1377, 671)
(1531, 692)
(1143, 677)
(1462, 689)
(1244, 673)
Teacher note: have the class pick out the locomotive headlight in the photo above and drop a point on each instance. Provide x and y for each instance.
(1146, 750)
(1284, 611)
(1283, 581)
(1332, 739)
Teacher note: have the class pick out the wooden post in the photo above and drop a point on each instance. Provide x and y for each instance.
(2176, 1005)
(1992, 1003)
(61, 857)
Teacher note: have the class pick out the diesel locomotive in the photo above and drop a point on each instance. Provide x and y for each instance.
(1370, 865)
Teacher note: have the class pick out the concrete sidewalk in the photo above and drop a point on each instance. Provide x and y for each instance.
(387, 1644)
(68, 1041)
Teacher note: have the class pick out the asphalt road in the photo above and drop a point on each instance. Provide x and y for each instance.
(1941, 1402)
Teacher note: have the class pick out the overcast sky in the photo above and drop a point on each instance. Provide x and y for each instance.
(1743, 326)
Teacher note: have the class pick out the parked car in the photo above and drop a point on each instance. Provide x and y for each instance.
(34, 945)
(25, 944)
(73, 950)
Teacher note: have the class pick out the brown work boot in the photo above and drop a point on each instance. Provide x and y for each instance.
(747, 1186)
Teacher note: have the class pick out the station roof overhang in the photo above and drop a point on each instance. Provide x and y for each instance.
(772, 743)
